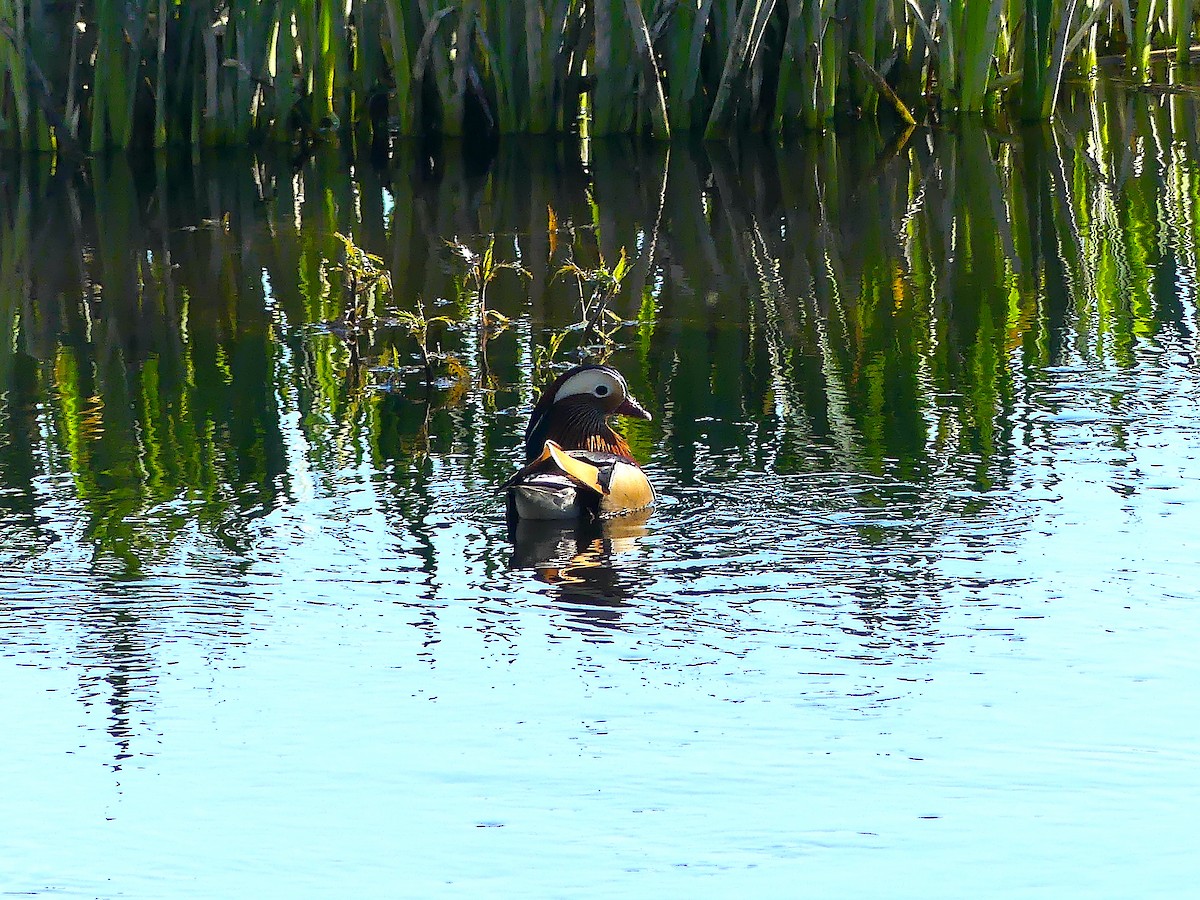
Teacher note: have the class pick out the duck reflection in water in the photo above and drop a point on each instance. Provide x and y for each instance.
(579, 558)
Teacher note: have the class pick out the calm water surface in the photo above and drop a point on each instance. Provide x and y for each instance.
(916, 615)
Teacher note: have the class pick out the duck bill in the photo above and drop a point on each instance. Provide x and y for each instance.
(633, 409)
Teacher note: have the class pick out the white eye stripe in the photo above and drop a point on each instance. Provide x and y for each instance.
(590, 381)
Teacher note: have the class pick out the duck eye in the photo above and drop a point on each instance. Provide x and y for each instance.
(601, 390)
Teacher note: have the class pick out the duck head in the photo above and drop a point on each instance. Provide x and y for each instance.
(574, 411)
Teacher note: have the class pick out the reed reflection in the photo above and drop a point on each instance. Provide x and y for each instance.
(177, 366)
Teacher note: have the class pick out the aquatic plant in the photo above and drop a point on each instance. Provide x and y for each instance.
(597, 287)
(482, 268)
(370, 283)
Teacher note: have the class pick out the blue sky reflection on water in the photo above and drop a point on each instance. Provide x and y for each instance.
(359, 729)
(915, 617)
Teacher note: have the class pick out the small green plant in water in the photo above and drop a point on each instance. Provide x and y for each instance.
(598, 286)
(418, 324)
(368, 277)
(482, 268)
(366, 273)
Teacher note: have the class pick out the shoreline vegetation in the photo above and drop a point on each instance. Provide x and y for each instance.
(85, 77)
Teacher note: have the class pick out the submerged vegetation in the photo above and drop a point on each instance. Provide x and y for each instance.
(116, 73)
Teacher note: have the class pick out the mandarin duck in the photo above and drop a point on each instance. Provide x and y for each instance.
(576, 465)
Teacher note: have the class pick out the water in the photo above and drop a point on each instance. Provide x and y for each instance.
(915, 615)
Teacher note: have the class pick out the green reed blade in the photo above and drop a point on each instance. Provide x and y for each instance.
(808, 79)
(367, 69)
(724, 22)
(1038, 83)
(1182, 15)
(160, 76)
(438, 56)
(1060, 31)
(651, 85)
(156, 71)
(682, 43)
(12, 64)
(494, 25)
(38, 56)
(864, 90)
(539, 29)
(400, 51)
(467, 13)
(133, 38)
(495, 72)
(283, 57)
(428, 63)
(980, 23)
(829, 68)
(256, 28)
(179, 78)
(103, 72)
(790, 61)
(747, 36)
(545, 36)
(949, 35)
(326, 65)
(614, 72)
(1144, 15)
(210, 123)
